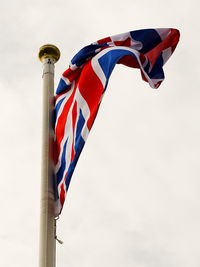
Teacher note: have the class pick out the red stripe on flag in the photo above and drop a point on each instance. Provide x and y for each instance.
(91, 90)
(72, 74)
(126, 42)
(129, 61)
(104, 40)
(74, 117)
(176, 34)
(62, 194)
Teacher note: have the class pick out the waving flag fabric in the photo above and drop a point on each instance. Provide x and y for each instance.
(83, 84)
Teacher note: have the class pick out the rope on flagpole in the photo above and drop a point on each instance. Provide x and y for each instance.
(59, 240)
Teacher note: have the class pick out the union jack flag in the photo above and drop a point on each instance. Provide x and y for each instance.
(83, 85)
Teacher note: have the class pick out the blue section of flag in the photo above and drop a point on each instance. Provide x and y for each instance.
(79, 147)
(157, 70)
(79, 143)
(109, 60)
(58, 106)
(63, 164)
(147, 67)
(149, 39)
(62, 86)
(85, 53)
(80, 124)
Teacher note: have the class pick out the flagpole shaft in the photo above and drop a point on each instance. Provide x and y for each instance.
(47, 251)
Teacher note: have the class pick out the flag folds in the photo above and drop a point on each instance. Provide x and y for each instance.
(83, 84)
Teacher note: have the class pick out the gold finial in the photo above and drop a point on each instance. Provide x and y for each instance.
(49, 51)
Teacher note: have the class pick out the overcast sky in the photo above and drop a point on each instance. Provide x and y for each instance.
(134, 196)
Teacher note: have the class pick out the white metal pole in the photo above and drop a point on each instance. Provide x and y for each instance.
(48, 55)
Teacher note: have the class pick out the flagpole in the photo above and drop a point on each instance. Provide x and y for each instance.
(48, 55)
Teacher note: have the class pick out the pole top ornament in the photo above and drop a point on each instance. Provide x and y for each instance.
(49, 51)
